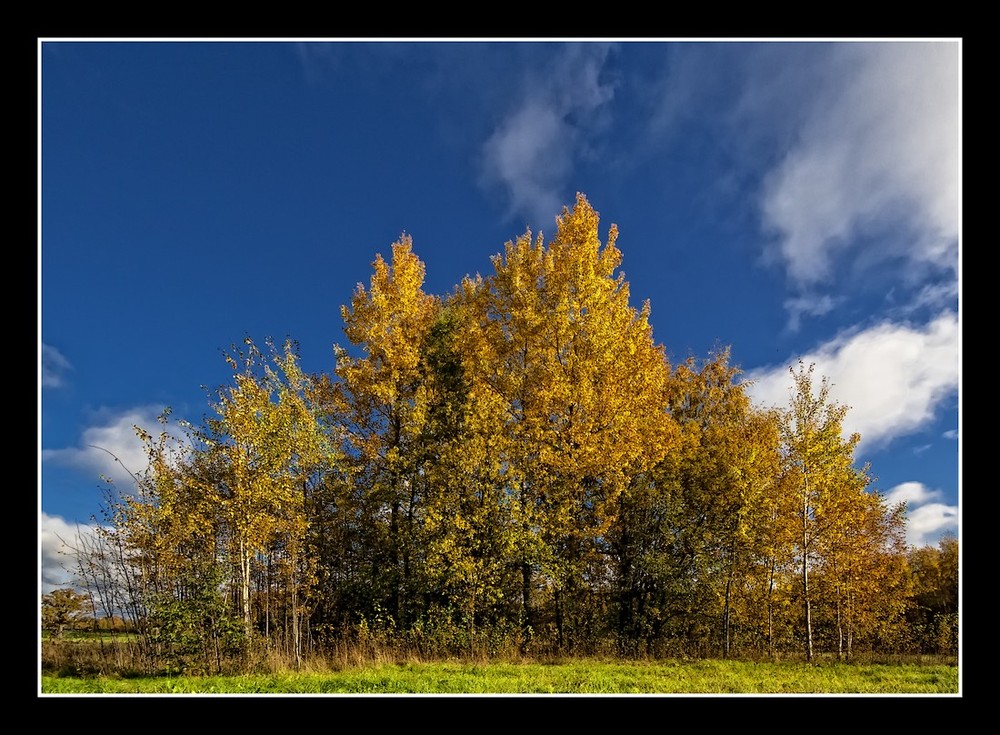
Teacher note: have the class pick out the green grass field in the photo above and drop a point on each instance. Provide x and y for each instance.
(579, 677)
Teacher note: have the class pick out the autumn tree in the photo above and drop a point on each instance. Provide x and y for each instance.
(822, 460)
(307, 457)
(380, 404)
(770, 592)
(156, 559)
(693, 533)
(932, 609)
(736, 491)
(467, 526)
(64, 608)
(860, 564)
(581, 384)
(267, 445)
(726, 479)
(662, 545)
(209, 510)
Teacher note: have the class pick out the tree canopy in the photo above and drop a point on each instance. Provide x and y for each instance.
(515, 463)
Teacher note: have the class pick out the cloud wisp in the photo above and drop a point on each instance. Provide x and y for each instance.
(807, 306)
(54, 367)
(531, 152)
(893, 377)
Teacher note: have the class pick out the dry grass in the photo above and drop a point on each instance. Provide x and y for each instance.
(122, 657)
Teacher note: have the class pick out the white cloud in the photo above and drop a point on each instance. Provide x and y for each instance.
(912, 493)
(951, 434)
(926, 524)
(531, 151)
(926, 519)
(892, 376)
(54, 367)
(114, 438)
(58, 541)
(879, 148)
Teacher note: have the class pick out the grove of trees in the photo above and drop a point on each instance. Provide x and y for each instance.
(515, 465)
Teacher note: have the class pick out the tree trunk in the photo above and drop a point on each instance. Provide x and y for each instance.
(840, 627)
(559, 618)
(808, 608)
(850, 624)
(770, 609)
(296, 633)
(726, 611)
(526, 601)
(394, 546)
(805, 569)
(267, 600)
(245, 585)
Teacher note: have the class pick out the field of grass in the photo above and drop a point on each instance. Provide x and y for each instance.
(575, 677)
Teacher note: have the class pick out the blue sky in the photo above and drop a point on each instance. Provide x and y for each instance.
(792, 200)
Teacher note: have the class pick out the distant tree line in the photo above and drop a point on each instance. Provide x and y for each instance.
(513, 466)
